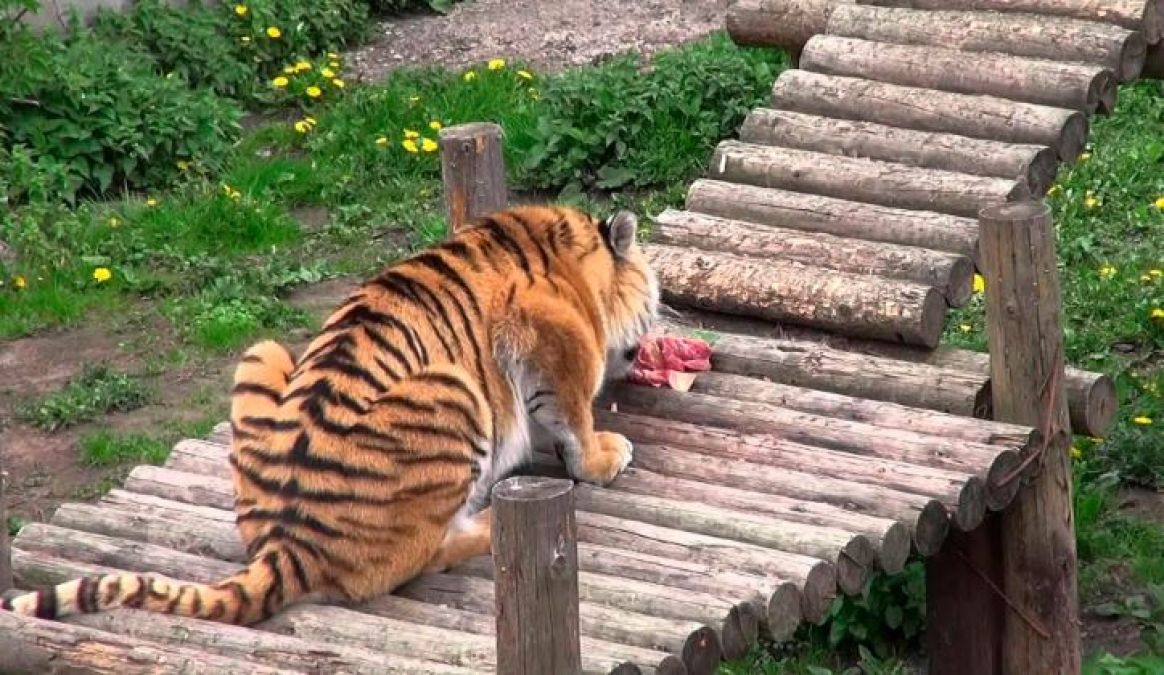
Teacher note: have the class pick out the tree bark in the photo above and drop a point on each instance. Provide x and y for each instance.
(786, 291)
(1035, 165)
(472, 172)
(1154, 64)
(986, 117)
(857, 179)
(1028, 35)
(5, 544)
(1142, 15)
(949, 273)
(828, 215)
(1038, 540)
(778, 23)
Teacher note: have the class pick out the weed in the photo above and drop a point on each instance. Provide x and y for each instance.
(97, 391)
(103, 448)
(14, 524)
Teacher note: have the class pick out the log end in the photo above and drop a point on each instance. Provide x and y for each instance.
(702, 652)
(1073, 136)
(784, 612)
(671, 665)
(932, 319)
(626, 668)
(971, 504)
(820, 587)
(740, 630)
(1133, 54)
(1094, 408)
(960, 287)
(1001, 482)
(894, 549)
(1041, 172)
(1105, 91)
(851, 574)
(931, 528)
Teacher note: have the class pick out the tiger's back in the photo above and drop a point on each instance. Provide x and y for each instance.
(369, 459)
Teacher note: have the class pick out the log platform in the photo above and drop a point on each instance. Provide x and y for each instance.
(832, 438)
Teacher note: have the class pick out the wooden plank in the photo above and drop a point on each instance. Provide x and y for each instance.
(5, 544)
(987, 117)
(472, 172)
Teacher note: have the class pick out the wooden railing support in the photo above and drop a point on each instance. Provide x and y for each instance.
(473, 172)
(535, 556)
(5, 545)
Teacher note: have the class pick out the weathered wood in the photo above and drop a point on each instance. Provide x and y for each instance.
(472, 172)
(1145, 15)
(964, 616)
(949, 273)
(536, 557)
(1035, 165)
(827, 215)
(755, 462)
(989, 462)
(5, 544)
(788, 291)
(778, 23)
(1031, 35)
(1024, 327)
(30, 645)
(1074, 86)
(1154, 64)
(858, 179)
(988, 117)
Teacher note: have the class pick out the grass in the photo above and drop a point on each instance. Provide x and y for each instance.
(104, 448)
(97, 391)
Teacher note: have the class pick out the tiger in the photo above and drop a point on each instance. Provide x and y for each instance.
(369, 459)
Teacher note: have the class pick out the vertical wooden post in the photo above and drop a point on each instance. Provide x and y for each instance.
(964, 617)
(5, 545)
(473, 172)
(1024, 328)
(535, 555)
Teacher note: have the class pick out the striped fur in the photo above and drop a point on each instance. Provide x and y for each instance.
(369, 459)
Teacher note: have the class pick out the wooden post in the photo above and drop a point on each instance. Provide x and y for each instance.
(473, 172)
(535, 555)
(5, 545)
(1024, 329)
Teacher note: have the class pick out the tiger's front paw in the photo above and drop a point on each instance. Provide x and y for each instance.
(612, 453)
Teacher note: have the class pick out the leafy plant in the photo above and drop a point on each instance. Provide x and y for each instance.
(273, 33)
(401, 6)
(889, 613)
(103, 448)
(98, 390)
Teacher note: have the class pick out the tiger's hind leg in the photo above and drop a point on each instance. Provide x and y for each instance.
(466, 538)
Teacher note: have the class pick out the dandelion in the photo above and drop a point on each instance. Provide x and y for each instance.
(1084, 157)
(151, 202)
(979, 283)
(310, 120)
(1145, 278)
(113, 221)
(435, 125)
(302, 127)
(338, 83)
(302, 65)
(182, 165)
(102, 274)
(1095, 439)
(290, 70)
(274, 33)
(333, 64)
(1157, 313)
(241, 10)
(409, 145)
(328, 73)
(469, 76)
(1159, 203)
(1155, 273)
(19, 282)
(230, 192)
(1076, 453)
(313, 91)
(966, 328)
(1091, 201)
(333, 56)
(1142, 420)
(411, 135)
(496, 64)
(525, 75)
(1053, 190)
(428, 145)
(280, 82)
(1106, 271)
(382, 141)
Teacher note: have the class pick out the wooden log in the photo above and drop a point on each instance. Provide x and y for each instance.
(778, 23)
(1154, 64)
(213, 491)
(1035, 36)
(29, 645)
(787, 291)
(989, 462)
(753, 462)
(1145, 15)
(987, 117)
(1073, 86)
(877, 182)
(472, 172)
(949, 273)
(5, 544)
(536, 555)
(1024, 327)
(1035, 165)
(827, 215)
(964, 615)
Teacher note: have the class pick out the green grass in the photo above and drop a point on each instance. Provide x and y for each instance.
(104, 448)
(97, 391)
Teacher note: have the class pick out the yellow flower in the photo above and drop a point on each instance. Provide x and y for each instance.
(333, 64)
(525, 75)
(469, 76)
(1155, 273)
(302, 65)
(231, 192)
(19, 281)
(280, 82)
(414, 100)
(533, 93)
(290, 70)
(1106, 271)
(338, 83)
(151, 202)
(245, 39)
(302, 127)
(1095, 439)
(966, 328)
(382, 141)
(496, 64)
(1159, 203)
(113, 221)
(1053, 190)
(1142, 421)
(410, 134)
(428, 145)
(409, 145)
(274, 33)
(328, 73)
(310, 120)
(333, 56)
(102, 274)
(1084, 157)
(1145, 278)
(1157, 313)
(182, 165)
(1076, 453)
(313, 91)
(1091, 202)
(435, 125)
(979, 283)
(241, 10)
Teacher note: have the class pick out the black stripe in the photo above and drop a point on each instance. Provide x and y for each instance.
(430, 430)
(462, 250)
(433, 261)
(595, 248)
(136, 598)
(383, 365)
(311, 462)
(270, 424)
(336, 364)
(340, 340)
(286, 538)
(173, 603)
(291, 515)
(323, 389)
(510, 294)
(292, 490)
(196, 602)
(450, 457)
(46, 604)
(314, 410)
(465, 413)
(297, 569)
(387, 346)
(252, 358)
(276, 586)
(418, 407)
(256, 388)
(499, 234)
(536, 240)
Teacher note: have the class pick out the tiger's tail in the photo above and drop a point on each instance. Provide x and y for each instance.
(249, 596)
(260, 379)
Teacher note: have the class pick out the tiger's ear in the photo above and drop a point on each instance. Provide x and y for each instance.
(619, 231)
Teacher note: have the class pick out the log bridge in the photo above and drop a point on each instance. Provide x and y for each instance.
(833, 438)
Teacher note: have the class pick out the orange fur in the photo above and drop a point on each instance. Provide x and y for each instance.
(369, 460)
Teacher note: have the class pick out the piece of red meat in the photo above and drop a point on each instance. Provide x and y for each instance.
(663, 359)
